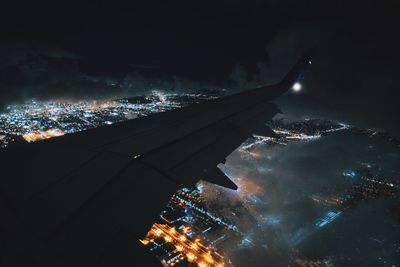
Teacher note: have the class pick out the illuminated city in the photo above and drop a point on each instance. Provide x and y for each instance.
(193, 251)
(38, 120)
(219, 225)
(197, 228)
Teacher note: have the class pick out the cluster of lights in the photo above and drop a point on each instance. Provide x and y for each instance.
(327, 201)
(376, 181)
(313, 262)
(214, 218)
(329, 217)
(185, 248)
(287, 135)
(41, 135)
(37, 120)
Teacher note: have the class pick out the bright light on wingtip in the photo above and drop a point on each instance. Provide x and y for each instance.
(296, 87)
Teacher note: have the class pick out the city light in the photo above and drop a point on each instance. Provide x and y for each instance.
(37, 120)
(41, 135)
(194, 251)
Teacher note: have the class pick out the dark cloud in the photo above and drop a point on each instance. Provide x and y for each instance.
(31, 70)
(367, 236)
(276, 189)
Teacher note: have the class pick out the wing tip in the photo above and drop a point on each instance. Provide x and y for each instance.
(296, 72)
(216, 176)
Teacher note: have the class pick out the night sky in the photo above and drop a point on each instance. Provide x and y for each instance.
(76, 48)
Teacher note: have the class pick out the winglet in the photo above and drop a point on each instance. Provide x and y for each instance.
(297, 71)
(216, 176)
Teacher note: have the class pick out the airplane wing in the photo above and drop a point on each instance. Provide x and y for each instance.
(86, 199)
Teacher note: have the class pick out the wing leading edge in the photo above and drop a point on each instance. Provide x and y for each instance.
(83, 199)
